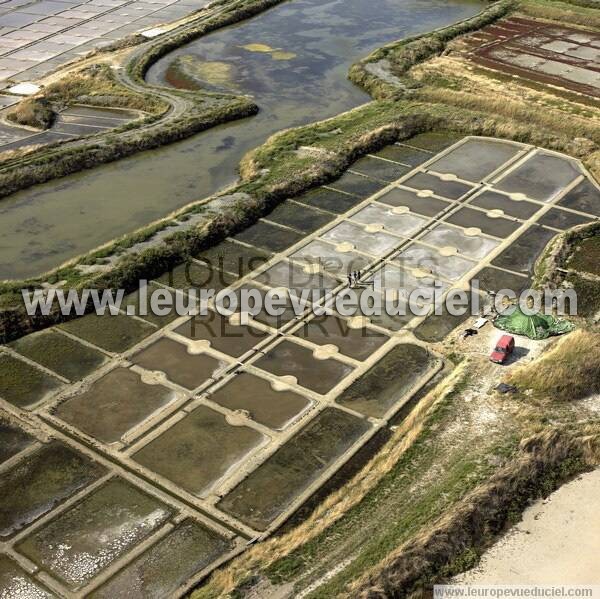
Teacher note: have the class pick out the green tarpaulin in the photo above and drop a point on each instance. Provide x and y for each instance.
(536, 326)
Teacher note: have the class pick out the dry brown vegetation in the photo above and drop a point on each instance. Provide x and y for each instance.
(33, 112)
(586, 256)
(395, 59)
(569, 371)
(498, 103)
(445, 78)
(528, 111)
(96, 85)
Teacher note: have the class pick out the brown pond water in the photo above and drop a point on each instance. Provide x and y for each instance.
(113, 405)
(198, 450)
(263, 403)
(180, 366)
(290, 359)
(221, 334)
(358, 343)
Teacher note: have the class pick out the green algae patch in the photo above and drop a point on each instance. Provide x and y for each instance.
(22, 384)
(280, 55)
(188, 72)
(60, 353)
(111, 333)
(276, 53)
(215, 72)
(263, 48)
(41, 481)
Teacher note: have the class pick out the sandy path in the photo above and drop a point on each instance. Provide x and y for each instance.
(557, 542)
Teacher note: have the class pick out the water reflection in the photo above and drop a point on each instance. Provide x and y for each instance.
(51, 223)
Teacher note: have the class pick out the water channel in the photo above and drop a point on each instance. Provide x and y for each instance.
(293, 59)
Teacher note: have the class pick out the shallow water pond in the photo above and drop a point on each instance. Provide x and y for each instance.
(182, 367)
(300, 78)
(41, 481)
(261, 400)
(114, 404)
(198, 450)
(59, 353)
(79, 543)
(22, 384)
(387, 382)
(159, 571)
(264, 495)
(12, 440)
(291, 359)
(358, 343)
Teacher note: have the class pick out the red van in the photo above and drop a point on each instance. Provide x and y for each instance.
(504, 347)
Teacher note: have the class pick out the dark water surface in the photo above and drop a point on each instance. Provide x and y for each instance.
(294, 59)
